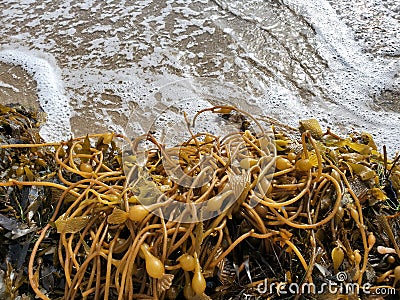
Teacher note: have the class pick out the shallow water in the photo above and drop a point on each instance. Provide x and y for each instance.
(89, 64)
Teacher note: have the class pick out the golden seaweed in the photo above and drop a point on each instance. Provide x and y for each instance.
(326, 211)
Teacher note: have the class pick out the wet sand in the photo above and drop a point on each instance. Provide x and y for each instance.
(17, 86)
(96, 62)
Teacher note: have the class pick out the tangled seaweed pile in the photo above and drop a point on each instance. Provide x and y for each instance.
(85, 230)
(23, 209)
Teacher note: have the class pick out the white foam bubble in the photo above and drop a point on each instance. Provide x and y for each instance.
(50, 90)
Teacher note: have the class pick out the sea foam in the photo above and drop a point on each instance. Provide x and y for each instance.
(50, 90)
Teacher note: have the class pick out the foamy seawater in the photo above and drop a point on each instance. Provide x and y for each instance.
(95, 62)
